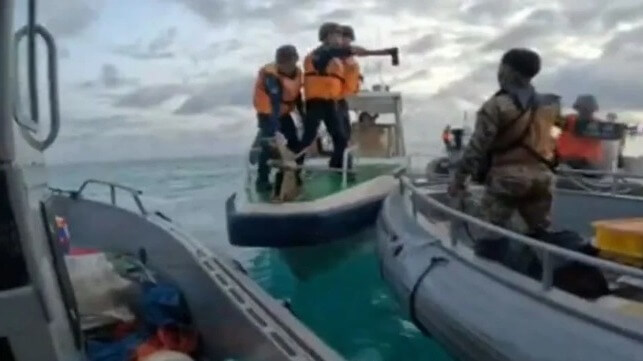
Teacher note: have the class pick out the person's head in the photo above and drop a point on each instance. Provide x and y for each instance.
(331, 34)
(517, 67)
(586, 105)
(611, 117)
(348, 35)
(286, 58)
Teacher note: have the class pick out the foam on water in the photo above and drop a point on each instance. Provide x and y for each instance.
(335, 289)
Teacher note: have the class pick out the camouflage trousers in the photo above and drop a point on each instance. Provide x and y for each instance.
(525, 189)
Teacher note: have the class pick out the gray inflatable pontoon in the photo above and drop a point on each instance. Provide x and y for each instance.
(481, 310)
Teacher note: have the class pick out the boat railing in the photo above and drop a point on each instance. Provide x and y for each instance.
(348, 152)
(616, 179)
(549, 251)
(135, 193)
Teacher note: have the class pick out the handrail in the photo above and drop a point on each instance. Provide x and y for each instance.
(547, 249)
(32, 60)
(619, 175)
(135, 193)
(28, 126)
(345, 166)
(617, 178)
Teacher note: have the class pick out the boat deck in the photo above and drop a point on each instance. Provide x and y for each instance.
(320, 184)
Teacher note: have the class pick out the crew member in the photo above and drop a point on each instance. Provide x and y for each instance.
(277, 92)
(324, 87)
(574, 150)
(513, 128)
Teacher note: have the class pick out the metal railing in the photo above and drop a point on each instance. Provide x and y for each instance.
(618, 184)
(135, 193)
(617, 179)
(549, 251)
(348, 152)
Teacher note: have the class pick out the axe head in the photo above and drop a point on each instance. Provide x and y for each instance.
(395, 56)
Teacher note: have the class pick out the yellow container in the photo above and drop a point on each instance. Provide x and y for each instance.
(620, 236)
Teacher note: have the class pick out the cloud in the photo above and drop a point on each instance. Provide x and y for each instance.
(150, 96)
(109, 78)
(626, 42)
(163, 41)
(234, 92)
(157, 48)
(337, 15)
(540, 24)
(618, 15)
(614, 81)
(423, 44)
(484, 8)
(421, 74)
(63, 53)
(70, 17)
(212, 11)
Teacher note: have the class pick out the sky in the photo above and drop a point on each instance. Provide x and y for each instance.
(173, 78)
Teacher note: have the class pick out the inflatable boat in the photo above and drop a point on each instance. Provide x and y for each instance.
(41, 305)
(479, 308)
(332, 203)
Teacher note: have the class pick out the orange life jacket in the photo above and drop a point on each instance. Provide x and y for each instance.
(352, 75)
(572, 147)
(290, 88)
(326, 85)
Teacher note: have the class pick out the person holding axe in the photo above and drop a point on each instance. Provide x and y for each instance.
(324, 78)
(276, 94)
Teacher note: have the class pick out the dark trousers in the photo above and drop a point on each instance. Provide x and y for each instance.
(326, 111)
(287, 128)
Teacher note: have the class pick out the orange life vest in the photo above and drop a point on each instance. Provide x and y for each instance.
(290, 88)
(570, 146)
(351, 75)
(326, 85)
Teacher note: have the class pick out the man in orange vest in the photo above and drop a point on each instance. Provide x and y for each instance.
(574, 150)
(324, 81)
(277, 92)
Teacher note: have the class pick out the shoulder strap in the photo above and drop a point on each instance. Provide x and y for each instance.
(518, 141)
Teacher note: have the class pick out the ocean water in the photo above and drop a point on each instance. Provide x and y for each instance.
(335, 289)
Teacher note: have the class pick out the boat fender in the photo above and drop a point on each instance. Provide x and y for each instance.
(434, 261)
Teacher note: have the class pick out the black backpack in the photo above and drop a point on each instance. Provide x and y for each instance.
(574, 277)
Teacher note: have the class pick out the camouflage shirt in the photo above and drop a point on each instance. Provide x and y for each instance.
(494, 115)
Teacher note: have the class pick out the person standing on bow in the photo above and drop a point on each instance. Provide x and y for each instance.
(277, 93)
(513, 135)
(324, 87)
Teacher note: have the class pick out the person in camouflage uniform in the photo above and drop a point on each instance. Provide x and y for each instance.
(519, 177)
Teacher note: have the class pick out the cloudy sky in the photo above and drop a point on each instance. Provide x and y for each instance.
(173, 78)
